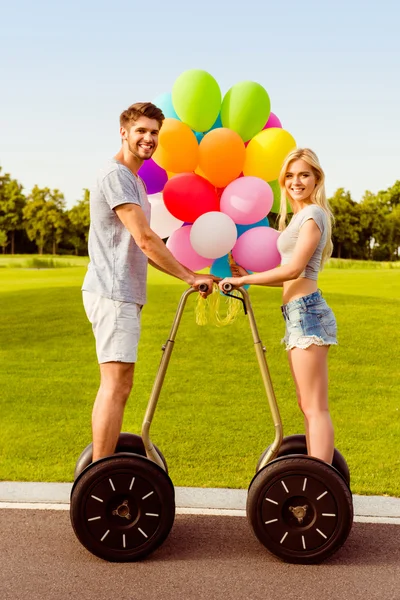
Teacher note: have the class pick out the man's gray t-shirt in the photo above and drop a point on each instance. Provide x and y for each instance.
(118, 267)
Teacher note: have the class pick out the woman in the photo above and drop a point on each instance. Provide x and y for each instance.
(305, 244)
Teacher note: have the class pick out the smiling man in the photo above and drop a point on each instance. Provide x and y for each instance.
(121, 243)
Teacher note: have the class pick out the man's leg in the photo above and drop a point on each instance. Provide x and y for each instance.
(116, 379)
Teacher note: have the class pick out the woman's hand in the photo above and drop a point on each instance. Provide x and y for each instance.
(238, 271)
(236, 282)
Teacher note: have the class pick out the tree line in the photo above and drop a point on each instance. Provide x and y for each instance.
(40, 222)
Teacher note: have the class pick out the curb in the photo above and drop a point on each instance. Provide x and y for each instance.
(205, 501)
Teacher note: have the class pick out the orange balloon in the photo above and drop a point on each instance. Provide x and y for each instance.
(178, 150)
(221, 156)
(198, 171)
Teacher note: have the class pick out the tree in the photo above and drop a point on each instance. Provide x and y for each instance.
(388, 242)
(391, 196)
(345, 233)
(12, 202)
(3, 240)
(394, 231)
(379, 223)
(44, 217)
(371, 218)
(79, 218)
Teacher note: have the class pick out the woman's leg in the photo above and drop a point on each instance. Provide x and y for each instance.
(310, 373)
(298, 394)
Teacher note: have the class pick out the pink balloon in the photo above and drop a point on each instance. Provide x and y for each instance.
(247, 200)
(256, 249)
(179, 245)
(273, 121)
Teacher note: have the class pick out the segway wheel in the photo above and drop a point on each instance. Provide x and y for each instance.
(122, 507)
(297, 444)
(127, 442)
(300, 509)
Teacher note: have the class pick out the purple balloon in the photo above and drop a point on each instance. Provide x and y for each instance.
(154, 176)
(273, 121)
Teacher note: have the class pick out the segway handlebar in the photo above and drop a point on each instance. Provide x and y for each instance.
(227, 287)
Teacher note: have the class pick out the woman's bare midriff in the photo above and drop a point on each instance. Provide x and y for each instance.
(296, 288)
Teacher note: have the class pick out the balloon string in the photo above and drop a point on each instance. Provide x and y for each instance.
(208, 309)
(231, 260)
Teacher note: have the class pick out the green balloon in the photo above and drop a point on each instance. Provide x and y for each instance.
(274, 185)
(245, 109)
(196, 97)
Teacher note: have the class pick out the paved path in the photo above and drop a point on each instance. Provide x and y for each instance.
(205, 557)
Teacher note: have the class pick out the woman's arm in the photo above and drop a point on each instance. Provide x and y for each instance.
(238, 271)
(307, 242)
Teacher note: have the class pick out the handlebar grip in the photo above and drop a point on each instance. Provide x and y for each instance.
(203, 287)
(227, 287)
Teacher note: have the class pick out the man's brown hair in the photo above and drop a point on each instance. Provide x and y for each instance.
(141, 109)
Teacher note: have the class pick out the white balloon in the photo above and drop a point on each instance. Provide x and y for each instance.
(213, 234)
(162, 222)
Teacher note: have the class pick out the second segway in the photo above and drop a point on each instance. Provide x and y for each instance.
(299, 507)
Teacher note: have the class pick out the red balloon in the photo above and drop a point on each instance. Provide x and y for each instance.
(187, 196)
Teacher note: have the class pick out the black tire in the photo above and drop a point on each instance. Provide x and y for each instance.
(297, 444)
(122, 507)
(127, 442)
(300, 509)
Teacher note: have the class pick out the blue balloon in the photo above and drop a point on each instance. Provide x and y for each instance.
(242, 228)
(220, 268)
(199, 135)
(164, 101)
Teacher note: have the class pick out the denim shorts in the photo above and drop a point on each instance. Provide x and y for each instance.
(309, 320)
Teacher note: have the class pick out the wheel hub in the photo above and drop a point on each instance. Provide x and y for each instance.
(299, 512)
(123, 511)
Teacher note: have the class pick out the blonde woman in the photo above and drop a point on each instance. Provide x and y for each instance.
(305, 244)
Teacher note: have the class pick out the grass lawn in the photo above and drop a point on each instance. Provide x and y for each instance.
(212, 422)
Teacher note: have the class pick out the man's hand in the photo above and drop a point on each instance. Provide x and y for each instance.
(207, 279)
(213, 277)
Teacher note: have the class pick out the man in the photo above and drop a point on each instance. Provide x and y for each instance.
(121, 244)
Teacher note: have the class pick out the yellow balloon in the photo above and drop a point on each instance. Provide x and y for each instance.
(178, 149)
(266, 152)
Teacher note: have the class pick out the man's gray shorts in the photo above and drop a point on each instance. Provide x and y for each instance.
(116, 327)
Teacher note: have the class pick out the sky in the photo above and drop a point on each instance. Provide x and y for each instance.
(68, 70)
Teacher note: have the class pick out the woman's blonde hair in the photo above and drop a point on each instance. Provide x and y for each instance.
(318, 195)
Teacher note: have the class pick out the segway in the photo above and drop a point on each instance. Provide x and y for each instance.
(299, 507)
(123, 508)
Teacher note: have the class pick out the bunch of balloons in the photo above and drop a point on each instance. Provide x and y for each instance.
(213, 178)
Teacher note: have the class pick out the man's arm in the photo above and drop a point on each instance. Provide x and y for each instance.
(134, 219)
(153, 264)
